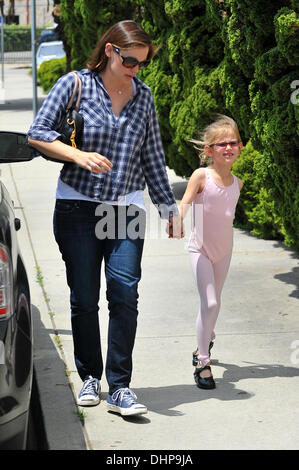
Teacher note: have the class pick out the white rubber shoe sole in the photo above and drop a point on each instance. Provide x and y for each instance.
(86, 401)
(131, 411)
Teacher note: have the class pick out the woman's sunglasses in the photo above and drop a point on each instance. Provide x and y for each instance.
(130, 62)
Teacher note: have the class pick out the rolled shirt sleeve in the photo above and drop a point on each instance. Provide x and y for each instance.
(51, 111)
(154, 168)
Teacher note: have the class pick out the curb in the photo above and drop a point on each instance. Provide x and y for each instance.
(57, 403)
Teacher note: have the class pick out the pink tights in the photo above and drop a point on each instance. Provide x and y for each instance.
(210, 279)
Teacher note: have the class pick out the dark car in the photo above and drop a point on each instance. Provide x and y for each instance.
(16, 345)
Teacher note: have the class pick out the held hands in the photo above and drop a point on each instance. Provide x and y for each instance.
(175, 228)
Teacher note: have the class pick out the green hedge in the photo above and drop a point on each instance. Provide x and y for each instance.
(50, 71)
(86, 21)
(256, 208)
(238, 57)
(18, 38)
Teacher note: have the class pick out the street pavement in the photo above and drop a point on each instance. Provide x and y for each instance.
(256, 354)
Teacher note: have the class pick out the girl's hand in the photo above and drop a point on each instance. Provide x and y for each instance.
(175, 227)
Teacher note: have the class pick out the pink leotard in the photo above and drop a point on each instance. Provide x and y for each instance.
(213, 215)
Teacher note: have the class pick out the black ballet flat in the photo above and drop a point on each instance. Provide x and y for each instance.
(207, 383)
(194, 354)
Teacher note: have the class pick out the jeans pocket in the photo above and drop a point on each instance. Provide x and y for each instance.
(65, 206)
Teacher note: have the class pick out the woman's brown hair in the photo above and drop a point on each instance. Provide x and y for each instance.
(124, 34)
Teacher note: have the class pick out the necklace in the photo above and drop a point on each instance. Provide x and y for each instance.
(120, 92)
(127, 93)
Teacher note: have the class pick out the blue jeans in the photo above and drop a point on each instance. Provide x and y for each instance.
(83, 243)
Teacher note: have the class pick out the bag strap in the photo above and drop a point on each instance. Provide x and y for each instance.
(78, 84)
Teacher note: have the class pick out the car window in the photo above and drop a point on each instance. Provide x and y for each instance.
(51, 49)
(48, 37)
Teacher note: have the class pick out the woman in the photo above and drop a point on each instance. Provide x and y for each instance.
(121, 152)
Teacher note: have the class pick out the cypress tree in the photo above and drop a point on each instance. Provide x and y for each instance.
(85, 22)
(238, 57)
(185, 77)
(262, 41)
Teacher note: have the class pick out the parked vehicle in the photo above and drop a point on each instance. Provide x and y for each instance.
(49, 50)
(48, 35)
(16, 344)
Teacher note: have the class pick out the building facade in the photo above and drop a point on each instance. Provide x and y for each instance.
(22, 11)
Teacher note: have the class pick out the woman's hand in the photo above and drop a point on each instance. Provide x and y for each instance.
(92, 161)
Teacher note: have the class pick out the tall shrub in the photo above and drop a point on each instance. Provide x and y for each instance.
(238, 57)
(262, 41)
(185, 77)
(86, 21)
(18, 38)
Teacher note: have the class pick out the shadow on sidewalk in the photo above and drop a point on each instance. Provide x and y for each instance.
(162, 400)
(234, 373)
(291, 277)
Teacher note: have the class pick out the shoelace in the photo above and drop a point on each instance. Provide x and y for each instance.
(90, 386)
(124, 394)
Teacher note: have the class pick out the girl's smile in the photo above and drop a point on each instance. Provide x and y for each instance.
(225, 150)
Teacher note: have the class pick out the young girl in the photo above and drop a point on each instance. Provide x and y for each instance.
(214, 192)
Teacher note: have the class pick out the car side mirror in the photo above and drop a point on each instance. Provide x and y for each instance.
(14, 147)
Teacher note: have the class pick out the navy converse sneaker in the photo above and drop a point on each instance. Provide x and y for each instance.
(90, 392)
(123, 401)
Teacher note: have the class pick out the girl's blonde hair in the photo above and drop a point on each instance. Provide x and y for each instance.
(212, 133)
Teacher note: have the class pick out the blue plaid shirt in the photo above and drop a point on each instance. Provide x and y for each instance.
(132, 142)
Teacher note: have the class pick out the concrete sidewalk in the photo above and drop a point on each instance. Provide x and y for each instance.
(256, 354)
